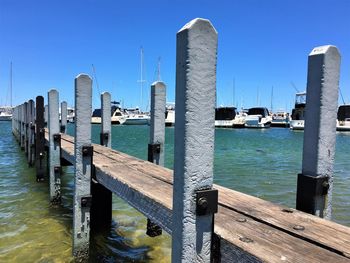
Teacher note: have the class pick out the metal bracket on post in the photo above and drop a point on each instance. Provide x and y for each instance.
(152, 149)
(42, 132)
(308, 188)
(206, 202)
(85, 201)
(87, 151)
(57, 139)
(153, 230)
(57, 199)
(104, 138)
(57, 170)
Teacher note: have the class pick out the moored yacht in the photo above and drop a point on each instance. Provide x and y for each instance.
(280, 119)
(96, 116)
(258, 117)
(70, 114)
(298, 113)
(136, 117)
(228, 117)
(5, 113)
(343, 118)
(170, 115)
(117, 116)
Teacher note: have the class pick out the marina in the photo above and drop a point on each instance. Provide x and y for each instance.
(205, 220)
(119, 180)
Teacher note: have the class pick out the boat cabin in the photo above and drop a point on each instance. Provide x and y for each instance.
(225, 113)
(264, 112)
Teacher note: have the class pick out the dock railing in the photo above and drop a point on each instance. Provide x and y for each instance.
(208, 222)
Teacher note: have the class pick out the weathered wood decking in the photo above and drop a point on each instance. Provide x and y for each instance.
(249, 229)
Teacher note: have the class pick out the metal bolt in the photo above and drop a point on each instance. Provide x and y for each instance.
(298, 227)
(203, 203)
(241, 220)
(287, 210)
(246, 240)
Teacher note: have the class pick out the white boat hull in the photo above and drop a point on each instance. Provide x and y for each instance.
(95, 120)
(5, 118)
(256, 121)
(144, 120)
(296, 124)
(343, 125)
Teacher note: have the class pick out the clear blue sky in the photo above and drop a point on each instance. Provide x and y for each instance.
(261, 44)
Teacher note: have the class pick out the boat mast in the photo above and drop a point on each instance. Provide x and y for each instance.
(271, 99)
(11, 84)
(141, 79)
(158, 70)
(233, 91)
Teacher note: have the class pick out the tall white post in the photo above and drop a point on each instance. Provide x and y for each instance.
(105, 137)
(63, 117)
(46, 114)
(25, 125)
(101, 209)
(54, 147)
(196, 51)
(157, 134)
(82, 167)
(157, 125)
(30, 132)
(316, 181)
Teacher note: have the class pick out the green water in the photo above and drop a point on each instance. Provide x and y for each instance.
(262, 163)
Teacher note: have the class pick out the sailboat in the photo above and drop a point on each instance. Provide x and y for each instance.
(6, 111)
(136, 116)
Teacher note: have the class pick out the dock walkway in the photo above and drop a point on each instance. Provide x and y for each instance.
(247, 227)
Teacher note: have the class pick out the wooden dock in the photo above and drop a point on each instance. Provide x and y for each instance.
(208, 222)
(248, 228)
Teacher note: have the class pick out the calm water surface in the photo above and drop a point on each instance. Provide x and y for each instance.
(262, 163)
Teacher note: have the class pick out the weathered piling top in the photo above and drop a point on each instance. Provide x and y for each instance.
(248, 228)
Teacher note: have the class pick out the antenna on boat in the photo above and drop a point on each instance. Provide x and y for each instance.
(233, 91)
(271, 99)
(292, 83)
(158, 70)
(341, 95)
(95, 78)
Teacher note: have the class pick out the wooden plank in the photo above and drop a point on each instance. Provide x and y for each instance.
(316, 230)
(148, 188)
(267, 243)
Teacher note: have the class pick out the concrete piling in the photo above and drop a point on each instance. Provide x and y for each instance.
(54, 148)
(31, 131)
(157, 125)
(26, 126)
(63, 127)
(39, 138)
(157, 135)
(194, 141)
(83, 166)
(101, 209)
(316, 181)
(46, 114)
(105, 135)
(22, 126)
